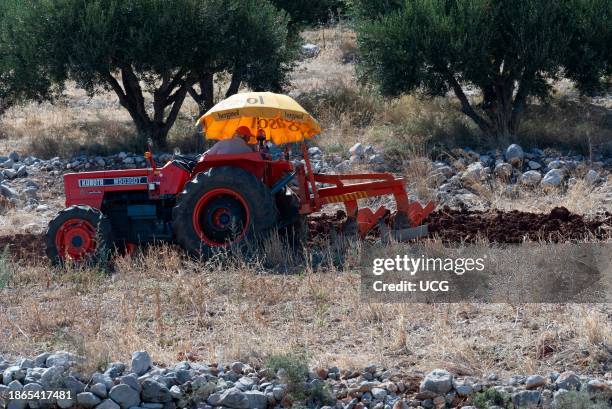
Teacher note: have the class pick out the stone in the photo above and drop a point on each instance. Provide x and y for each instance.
(141, 362)
(176, 392)
(245, 383)
(131, 380)
(231, 398)
(53, 377)
(531, 178)
(115, 369)
(592, 177)
(61, 358)
(310, 50)
(356, 150)
(125, 396)
(376, 159)
(475, 172)
(22, 172)
(568, 380)
(257, 399)
(503, 170)
(535, 381)
(555, 164)
(108, 404)
(74, 385)
(553, 178)
(514, 155)
(87, 399)
(321, 373)
(7, 192)
(41, 360)
(595, 387)
(379, 393)
(533, 165)
(66, 403)
(279, 392)
(14, 156)
(526, 399)
(438, 381)
(315, 150)
(106, 380)
(30, 193)
(156, 392)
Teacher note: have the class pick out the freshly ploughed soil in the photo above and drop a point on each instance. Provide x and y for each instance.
(448, 225)
(516, 227)
(496, 226)
(23, 246)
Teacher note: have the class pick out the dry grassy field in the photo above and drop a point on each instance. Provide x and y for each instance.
(228, 309)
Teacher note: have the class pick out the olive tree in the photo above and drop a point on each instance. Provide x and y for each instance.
(152, 52)
(509, 50)
(251, 46)
(24, 70)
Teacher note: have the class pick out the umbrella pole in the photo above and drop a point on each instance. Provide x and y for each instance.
(310, 176)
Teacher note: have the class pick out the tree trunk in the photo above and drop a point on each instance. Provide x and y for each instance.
(205, 99)
(171, 93)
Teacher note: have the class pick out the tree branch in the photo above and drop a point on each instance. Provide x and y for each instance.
(466, 107)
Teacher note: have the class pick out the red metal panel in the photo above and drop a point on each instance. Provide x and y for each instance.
(91, 194)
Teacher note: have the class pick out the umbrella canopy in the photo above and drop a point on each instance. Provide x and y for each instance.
(282, 119)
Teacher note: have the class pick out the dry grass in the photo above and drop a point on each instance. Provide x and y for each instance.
(220, 311)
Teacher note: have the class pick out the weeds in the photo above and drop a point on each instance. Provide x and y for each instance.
(492, 397)
(7, 268)
(579, 400)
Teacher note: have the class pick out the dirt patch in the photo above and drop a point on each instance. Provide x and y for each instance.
(496, 226)
(24, 246)
(515, 226)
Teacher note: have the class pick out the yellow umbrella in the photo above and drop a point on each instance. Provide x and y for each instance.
(282, 119)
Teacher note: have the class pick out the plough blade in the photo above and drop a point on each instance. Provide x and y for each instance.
(410, 233)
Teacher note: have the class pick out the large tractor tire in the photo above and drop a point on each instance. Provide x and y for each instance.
(293, 225)
(79, 234)
(224, 207)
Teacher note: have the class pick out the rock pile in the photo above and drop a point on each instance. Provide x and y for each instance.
(142, 384)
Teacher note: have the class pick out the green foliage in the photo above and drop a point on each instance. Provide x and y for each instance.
(294, 365)
(294, 369)
(157, 50)
(579, 400)
(508, 50)
(492, 397)
(24, 72)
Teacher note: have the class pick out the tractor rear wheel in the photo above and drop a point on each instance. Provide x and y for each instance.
(79, 234)
(221, 208)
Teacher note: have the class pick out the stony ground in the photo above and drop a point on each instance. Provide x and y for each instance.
(286, 381)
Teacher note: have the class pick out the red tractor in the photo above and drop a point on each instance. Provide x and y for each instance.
(210, 202)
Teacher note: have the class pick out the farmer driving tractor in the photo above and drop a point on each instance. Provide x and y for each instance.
(230, 196)
(239, 143)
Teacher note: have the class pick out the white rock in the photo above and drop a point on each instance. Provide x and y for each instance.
(531, 178)
(592, 177)
(533, 165)
(503, 170)
(514, 154)
(438, 381)
(356, 150)
(553, 178)
(310, 50)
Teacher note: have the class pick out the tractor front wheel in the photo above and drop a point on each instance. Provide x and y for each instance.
(221, 208)
(79, 234)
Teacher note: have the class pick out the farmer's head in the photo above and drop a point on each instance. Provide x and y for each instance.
(245, 133)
